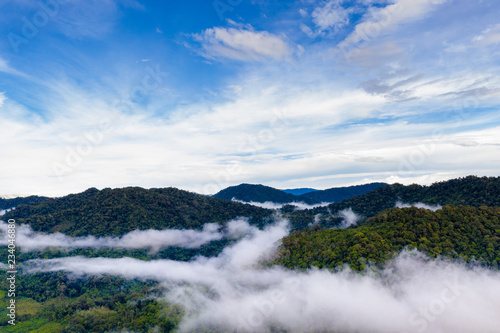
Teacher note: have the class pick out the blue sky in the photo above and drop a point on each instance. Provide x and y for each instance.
(202, 95)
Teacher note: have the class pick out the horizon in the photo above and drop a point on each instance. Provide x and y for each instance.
(206, 95)
(12, 196)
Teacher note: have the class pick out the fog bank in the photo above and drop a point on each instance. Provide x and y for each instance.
(29, 240)
(234, 292)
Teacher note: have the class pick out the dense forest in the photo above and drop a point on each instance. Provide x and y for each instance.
(56, 303)
(260, 193)
(14, 202)
(118, 211)
(299, 191)
(471, 191)
(467, 228)
(338, 194)
(464, 232)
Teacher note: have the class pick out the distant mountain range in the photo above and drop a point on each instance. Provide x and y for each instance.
(261, 193)
(118, 211)
(469, 191)
(13, 202)
(299, 191)
(466, 228)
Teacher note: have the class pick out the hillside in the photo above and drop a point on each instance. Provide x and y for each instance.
(118, 211)
(338, 194)
(471, 191)
(14, 202)
(465, 232)
(299, 191)
(259, 193)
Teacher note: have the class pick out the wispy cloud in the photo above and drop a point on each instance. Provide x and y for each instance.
(349, 218)
(28, 240)
(434, 208)
(331, 15)
(88, 19)
(489, 36)
(299, 205)
(242, 43)
(316, 120)
(377, 21)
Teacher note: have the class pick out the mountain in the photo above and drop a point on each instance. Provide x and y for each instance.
(471, 191)
(469, 233)
(299, 191)
(118, 211)
(338, 194)
(14, 202)
(259, 193)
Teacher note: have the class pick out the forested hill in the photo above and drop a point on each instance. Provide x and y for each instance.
(118, 211)
(338, 194)
(471, 191)
(465, 232)
(14, 202)
(260, 193)
(299, 191)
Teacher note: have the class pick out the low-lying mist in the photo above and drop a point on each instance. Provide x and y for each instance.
(273, 205)
(29, 240)
(236, 292)
(400, 204)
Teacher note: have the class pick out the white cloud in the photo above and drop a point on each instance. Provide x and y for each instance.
(232, 292)
(331, 15)
(87, 19)
(4, 67)
(378, 21)
(400, 204)
(489, 36)
(273, 205)
(349, 218)
(302, 123)
(28, 240)
(243, 44)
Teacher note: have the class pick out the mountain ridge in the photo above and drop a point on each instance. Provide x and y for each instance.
(118, 211)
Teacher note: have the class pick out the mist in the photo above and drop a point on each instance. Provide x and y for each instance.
(273, 205)
(400, 204)
(29, 240)
(235, 292)
(349, 218)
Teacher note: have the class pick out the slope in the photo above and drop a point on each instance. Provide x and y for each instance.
(14, 202)
(471, 191)
(259, 193)
(338, 194)
(118, 211)
(465, 232)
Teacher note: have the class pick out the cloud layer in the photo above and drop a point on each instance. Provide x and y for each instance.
(322, 94)
(243, 44)
(233, 292)
(273, 205)
(400, 204)
(28, 240)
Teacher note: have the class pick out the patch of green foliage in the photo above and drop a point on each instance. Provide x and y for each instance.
(467, 191)
(14, 202)
(114, 212)
(56, 303)
(465, 232)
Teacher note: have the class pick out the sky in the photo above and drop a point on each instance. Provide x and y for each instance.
(202, 95)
